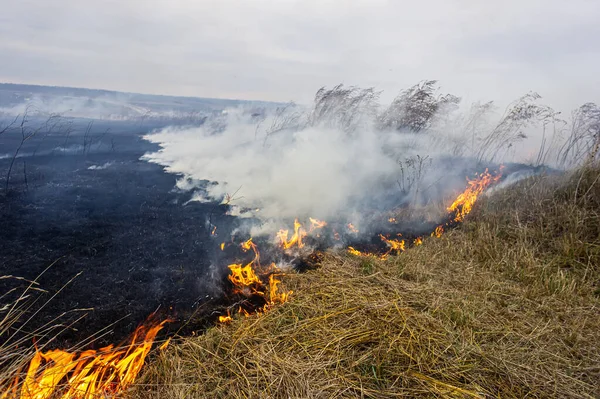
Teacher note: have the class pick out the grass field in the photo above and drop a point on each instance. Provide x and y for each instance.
(507, 306)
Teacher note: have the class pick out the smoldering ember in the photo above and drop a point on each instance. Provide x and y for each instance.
(131, 220)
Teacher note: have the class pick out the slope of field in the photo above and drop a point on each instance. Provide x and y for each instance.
(507, 305)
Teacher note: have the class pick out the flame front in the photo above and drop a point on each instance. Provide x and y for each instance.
(463, 204)
(90, 374)
(247, 281)
(296, 239)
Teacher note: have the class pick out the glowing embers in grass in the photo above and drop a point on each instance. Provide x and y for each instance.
(463, 204)
(102, 373)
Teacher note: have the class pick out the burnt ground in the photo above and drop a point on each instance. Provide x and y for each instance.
(130, 240)
(124, 228)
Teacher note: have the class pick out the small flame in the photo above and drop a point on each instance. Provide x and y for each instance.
(222, 246)
(214, 231)
(438, 232)
(356, 252)
(243, 277)
(226, 319)
(352, 228)
(316, 224)
(296, 239)
(248, 244)
(106, 372)
(392, 220)
(274, 295)
(395, 245)
(418, 241)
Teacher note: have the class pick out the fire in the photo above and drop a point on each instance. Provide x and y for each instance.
(418, 241)
(244, 277)
(226, 319)
(352, 228)
(106, 372)
(356, 252)
(296, 239)
(274, 295)
(395, 245)
(248, 244)
(438, 232)
(222, 246)
(214, 231)
(248, 280)
(316, 224)
(392, 220)
(465, 201)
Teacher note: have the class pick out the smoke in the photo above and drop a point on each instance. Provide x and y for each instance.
(318, 170)
(346, 157)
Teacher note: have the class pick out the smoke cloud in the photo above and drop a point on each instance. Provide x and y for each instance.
(347, 157)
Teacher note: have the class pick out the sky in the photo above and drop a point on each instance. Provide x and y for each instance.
(282, 50)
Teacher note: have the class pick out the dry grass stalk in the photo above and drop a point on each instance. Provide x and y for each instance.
(506, 306)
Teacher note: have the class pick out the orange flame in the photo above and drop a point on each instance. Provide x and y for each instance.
(225, 319)
(352, 228)
(395, 245)
(316, 224)
(274, 295)
(356, 252)
(465, 201)
(89, 374)
(246, 280)
(418, 241)
(214, 231)
(244, 277)
(438, 232)
(296, 239)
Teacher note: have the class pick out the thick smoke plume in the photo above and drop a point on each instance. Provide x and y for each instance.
(347, 155)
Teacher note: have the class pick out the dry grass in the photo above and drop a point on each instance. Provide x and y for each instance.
(506, 306)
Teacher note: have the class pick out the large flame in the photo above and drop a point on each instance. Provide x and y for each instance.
(102, 373)
(465, 201)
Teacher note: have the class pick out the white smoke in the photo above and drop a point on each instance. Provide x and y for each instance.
(316, 171)
(339, 160)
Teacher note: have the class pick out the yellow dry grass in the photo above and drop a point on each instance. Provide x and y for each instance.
(506, 306)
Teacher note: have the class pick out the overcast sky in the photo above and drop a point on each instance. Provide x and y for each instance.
(285, 50)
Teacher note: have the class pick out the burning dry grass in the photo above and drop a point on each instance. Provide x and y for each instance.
(506, 306)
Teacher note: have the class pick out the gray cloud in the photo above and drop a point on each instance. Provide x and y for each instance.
(282, 50)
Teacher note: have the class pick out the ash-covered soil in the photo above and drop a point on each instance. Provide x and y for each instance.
(120, 224)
